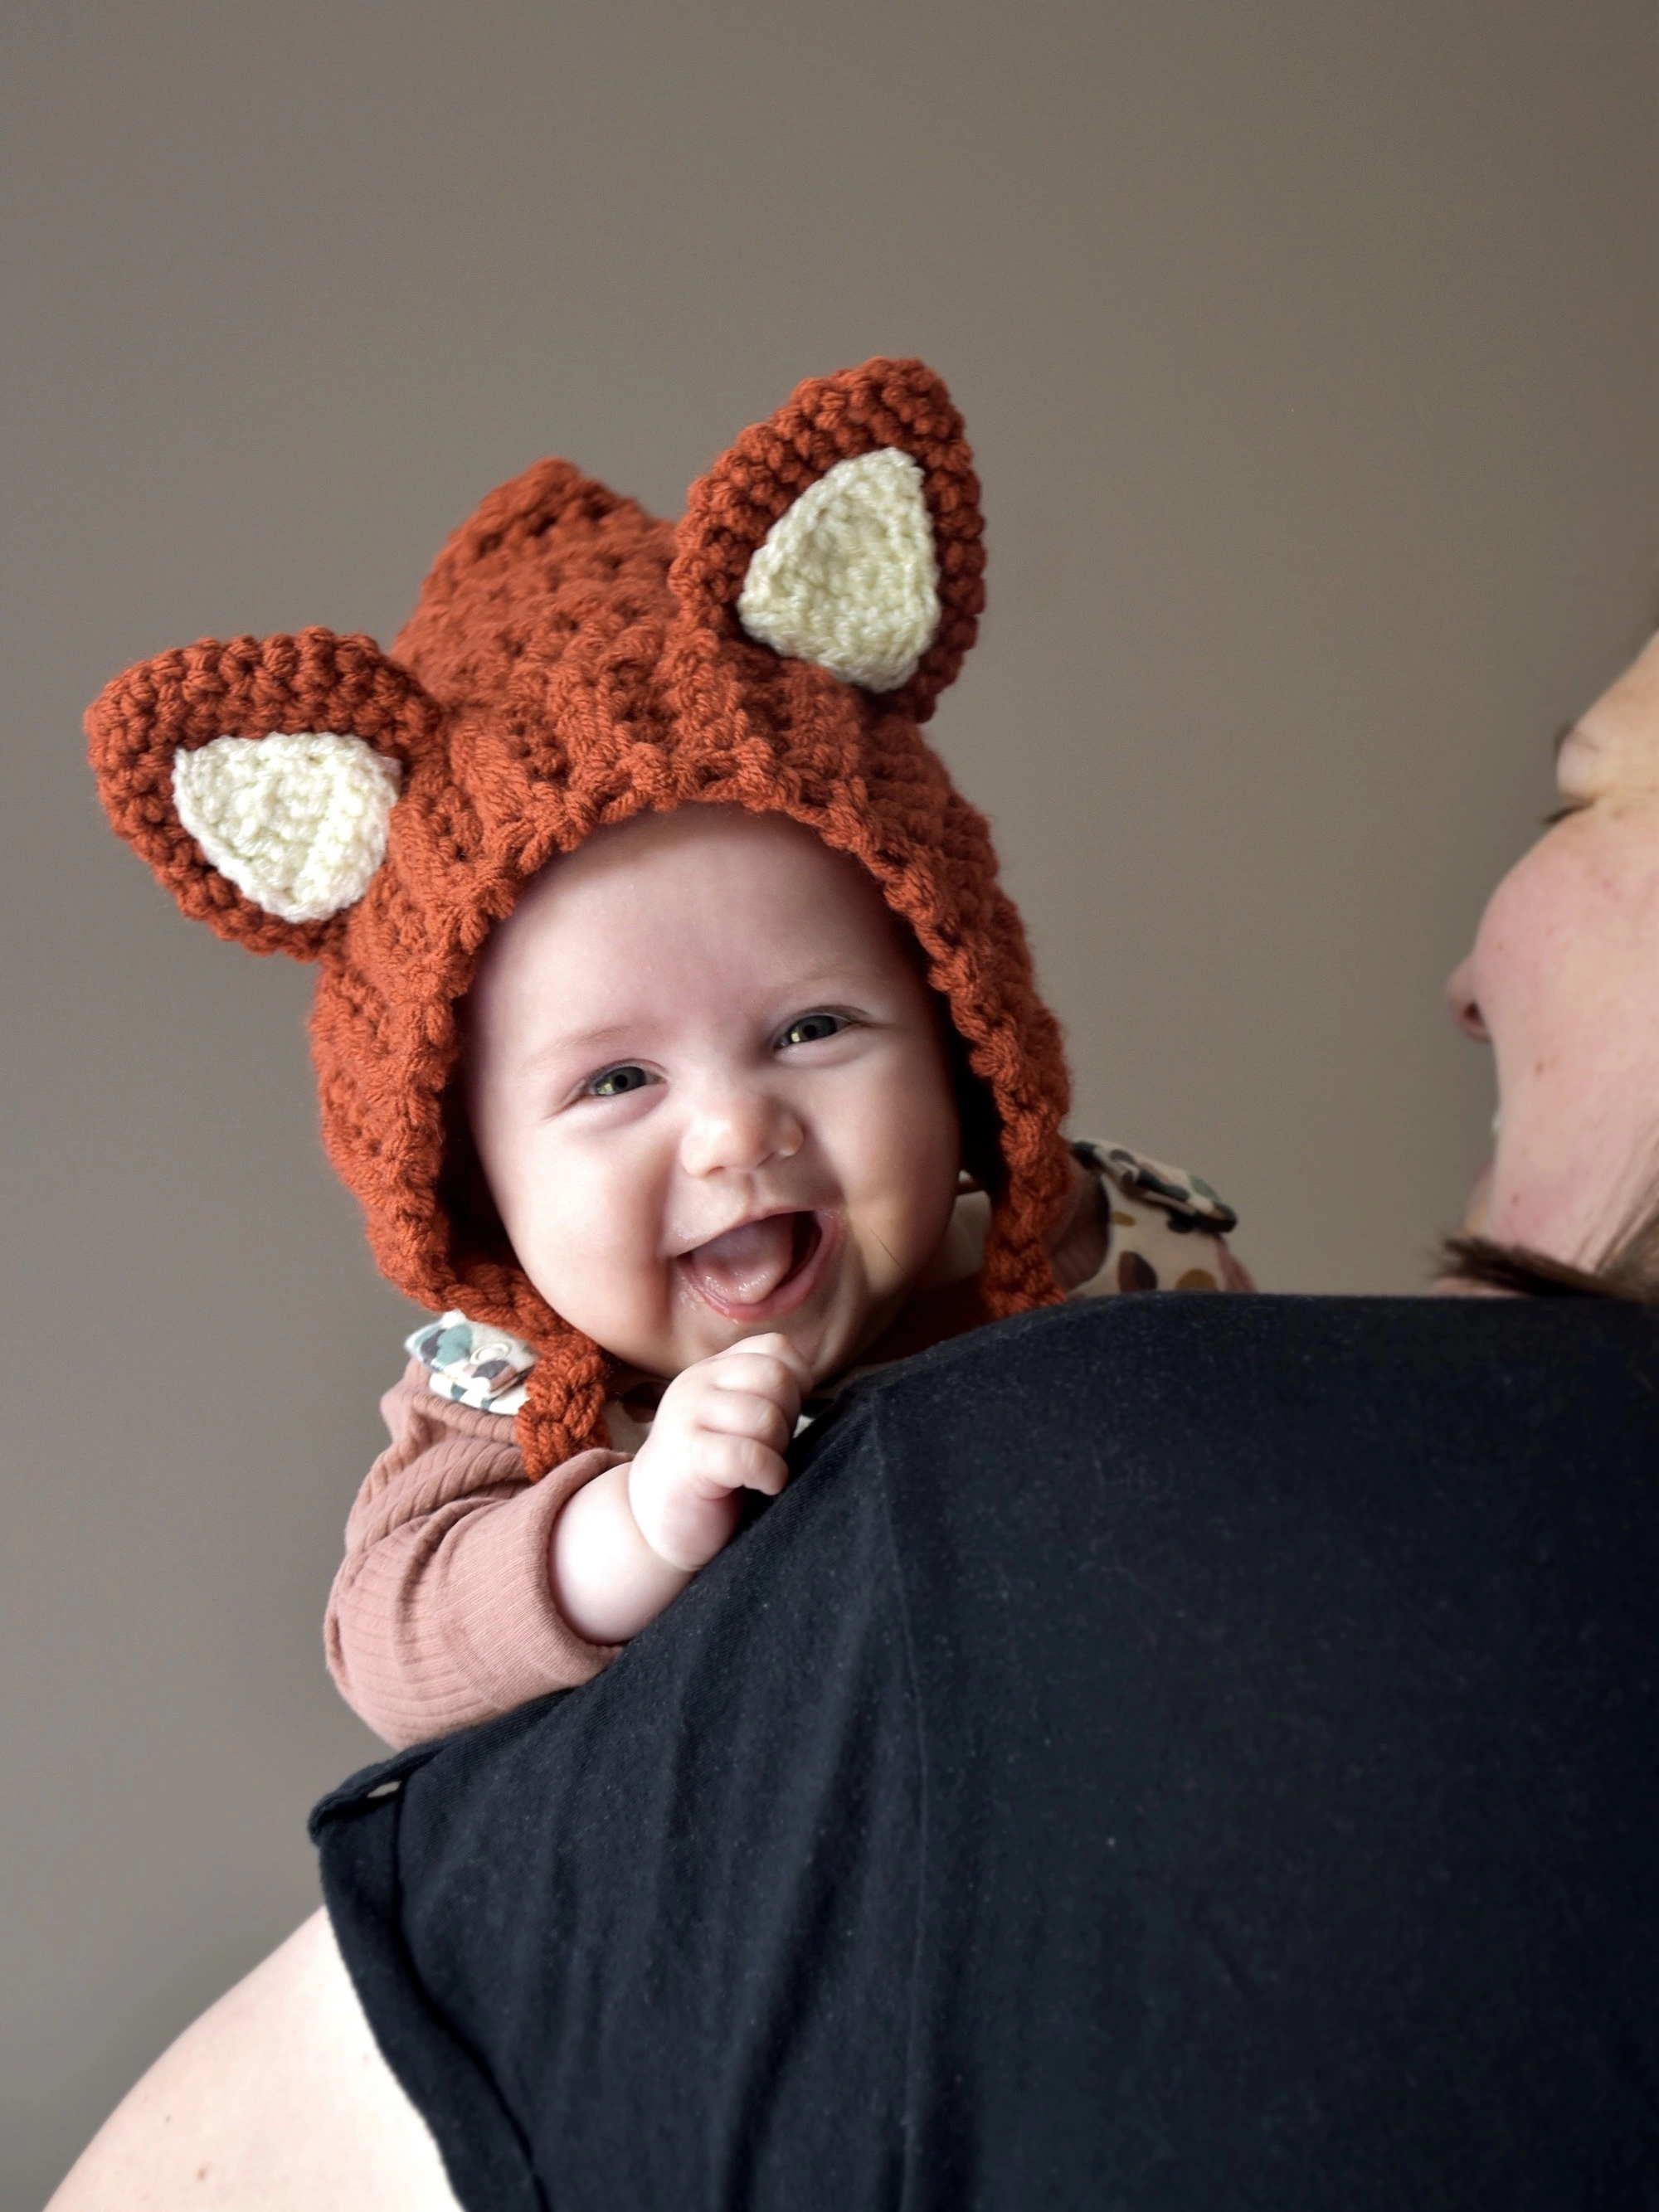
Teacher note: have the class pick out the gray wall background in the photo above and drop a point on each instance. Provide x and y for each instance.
(1311, 354)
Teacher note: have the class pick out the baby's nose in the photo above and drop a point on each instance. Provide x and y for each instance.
(1462, 1004)
(738, 1128)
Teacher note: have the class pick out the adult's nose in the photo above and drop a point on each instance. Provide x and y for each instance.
(736, 1128)
(1462, 1003)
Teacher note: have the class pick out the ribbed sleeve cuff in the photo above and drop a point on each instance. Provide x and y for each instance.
(507, 1639)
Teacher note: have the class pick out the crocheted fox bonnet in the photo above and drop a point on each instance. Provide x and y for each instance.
(571, 662)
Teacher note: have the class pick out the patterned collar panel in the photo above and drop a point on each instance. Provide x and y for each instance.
(472, 1365)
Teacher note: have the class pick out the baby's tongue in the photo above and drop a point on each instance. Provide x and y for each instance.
(747, 1264)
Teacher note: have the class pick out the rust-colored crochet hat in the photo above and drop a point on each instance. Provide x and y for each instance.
(572, 662)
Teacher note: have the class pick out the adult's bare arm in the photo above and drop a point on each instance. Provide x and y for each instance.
(276, 2099)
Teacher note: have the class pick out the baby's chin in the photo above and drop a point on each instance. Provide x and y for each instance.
(824, 1342)
(828, 1333)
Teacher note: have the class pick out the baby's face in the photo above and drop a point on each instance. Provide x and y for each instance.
(710, 1093)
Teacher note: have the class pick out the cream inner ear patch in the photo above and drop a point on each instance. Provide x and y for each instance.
(297, 824)
(847, 577)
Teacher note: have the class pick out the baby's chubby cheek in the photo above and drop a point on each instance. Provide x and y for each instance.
(900, 1240)
(597, 1264)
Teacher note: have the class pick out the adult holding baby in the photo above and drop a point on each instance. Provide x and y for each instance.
(1100, 1773)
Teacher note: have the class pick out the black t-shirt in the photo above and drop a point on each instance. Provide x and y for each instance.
(1176, 1752)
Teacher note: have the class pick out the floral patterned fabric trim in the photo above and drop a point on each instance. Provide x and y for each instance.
(1188, 1202)
(1165, 1231)
(471, 1364)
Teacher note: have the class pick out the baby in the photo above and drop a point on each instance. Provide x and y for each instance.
(672, 1026)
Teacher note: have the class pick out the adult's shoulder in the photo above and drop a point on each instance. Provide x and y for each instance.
(1193, 1366)
(1135, 1719)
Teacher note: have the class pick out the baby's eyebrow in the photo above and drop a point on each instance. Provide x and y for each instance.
(575, 1043)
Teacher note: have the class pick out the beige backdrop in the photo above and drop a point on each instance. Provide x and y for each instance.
(1311, 353)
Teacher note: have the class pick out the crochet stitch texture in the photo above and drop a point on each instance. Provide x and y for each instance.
(571, 662)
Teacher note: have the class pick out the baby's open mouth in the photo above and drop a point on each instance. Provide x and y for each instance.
(758, 1263)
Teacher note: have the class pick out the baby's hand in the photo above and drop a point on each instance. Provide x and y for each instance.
(723, 1426)
(628, 1542)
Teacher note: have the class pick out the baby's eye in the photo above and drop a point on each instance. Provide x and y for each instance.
(616, 1081)
(808, 1029)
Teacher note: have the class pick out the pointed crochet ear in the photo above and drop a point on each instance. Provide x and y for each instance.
(257, 777)
(846, 531)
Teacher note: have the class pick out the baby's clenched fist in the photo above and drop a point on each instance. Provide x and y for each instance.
(723, 1426)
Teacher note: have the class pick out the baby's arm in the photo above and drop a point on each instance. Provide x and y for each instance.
(441, 1615)
(467, 1590)
(631, 1540)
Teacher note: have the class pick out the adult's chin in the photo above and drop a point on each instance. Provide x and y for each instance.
(1477, 1213)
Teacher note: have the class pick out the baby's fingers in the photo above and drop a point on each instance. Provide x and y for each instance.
(773, 1344)
(770, 1365)
(733, 1411)
(721, 1459)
